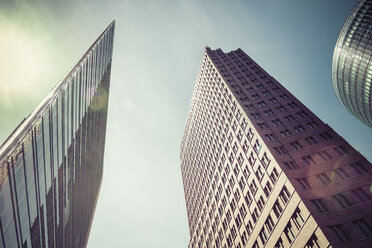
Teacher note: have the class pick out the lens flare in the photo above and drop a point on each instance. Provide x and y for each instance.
(21, 62)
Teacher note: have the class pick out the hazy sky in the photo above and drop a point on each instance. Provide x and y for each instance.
(157, 50)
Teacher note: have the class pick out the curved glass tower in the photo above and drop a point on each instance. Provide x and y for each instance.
(351, 66)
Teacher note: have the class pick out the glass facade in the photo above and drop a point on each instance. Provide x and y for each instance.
(51, 165)
(352, 67)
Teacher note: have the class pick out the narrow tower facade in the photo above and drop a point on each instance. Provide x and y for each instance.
(51, 165)
(261, 170)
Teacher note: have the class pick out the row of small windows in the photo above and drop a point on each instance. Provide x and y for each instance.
(340, 201)
(363, 227)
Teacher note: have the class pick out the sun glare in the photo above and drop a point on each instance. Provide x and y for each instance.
(21, 60)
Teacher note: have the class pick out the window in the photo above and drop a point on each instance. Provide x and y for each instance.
(266, 93)
(340, 232)
(267, 189)
(261, 104)
(243, 211)
(232, 181)
(249, 227)
(236, 170)
(253, 187)
(255, 96)
(302, 113)
(260, 203)
(263, 125)
(246, 173)
(292, 104)
(244, 238)
(268, 112)
(341, 173)
(237, 195)
(241, 183)
(359, 168)
(240, 158)
(289, 232)
(255, 245)
(280, 109)
(325, 136)
(229, 241)
(312, 124)
(341, 150)
(273, 100)
(277, 122)
(271, 137)
(341, 200)
(251, 159)
(255, 115)
(299, 129)
(274, 176)
(313, 242)
(277, 89)
(238, 220)
(258, 173)
(324, 178)
(254, 215)
(311, 140)
(284, 96)
(250, 134)
(364, 229)
(265, 160)
(245, 146)
(304, 183)
(285, 133)
(289, 118)
(269, 223)
(296, 145)
(248, 198)
(228, 190)
(279, 243)
(284, 195)
(280, 150)
(325, 155)
(297, 219)
(319, 205)
(257, 146)
(249, 106)
(361, 194)
(308, 160)
(277, 209)
(291, 165)
(263, 235)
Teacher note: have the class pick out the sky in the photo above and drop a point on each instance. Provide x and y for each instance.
(157, 50)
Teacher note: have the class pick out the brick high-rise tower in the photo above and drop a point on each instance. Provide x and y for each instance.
(261, 170)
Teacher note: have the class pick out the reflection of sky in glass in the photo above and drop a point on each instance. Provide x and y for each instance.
(157, 50)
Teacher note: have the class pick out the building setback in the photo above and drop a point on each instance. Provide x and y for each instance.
(352, 66)
(51, 165)
(261, 170)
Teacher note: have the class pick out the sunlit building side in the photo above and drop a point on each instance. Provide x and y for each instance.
(261, 170)
(51, 165)
(352, 66)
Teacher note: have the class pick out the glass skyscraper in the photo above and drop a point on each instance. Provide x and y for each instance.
(51, 165)
(352, 66)
(261, 170)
